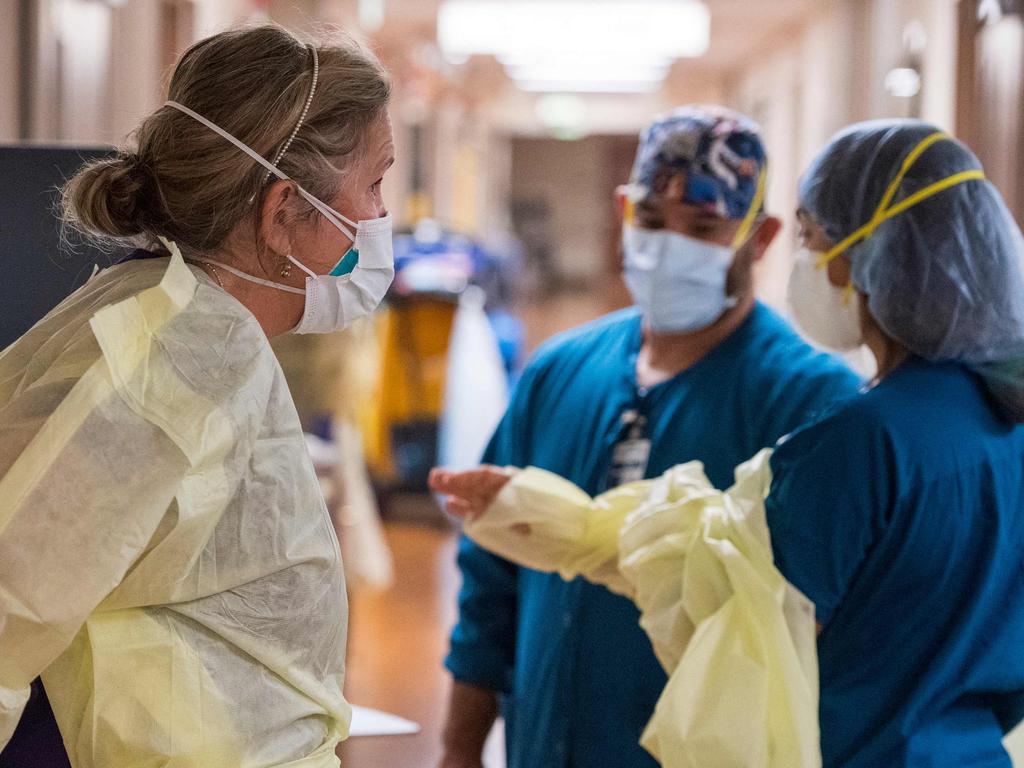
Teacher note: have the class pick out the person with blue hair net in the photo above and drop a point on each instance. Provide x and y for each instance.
(897, 512)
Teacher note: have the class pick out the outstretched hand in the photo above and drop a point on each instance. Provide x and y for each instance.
(471, 492)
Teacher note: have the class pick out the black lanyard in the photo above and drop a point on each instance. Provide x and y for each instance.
(632, 448)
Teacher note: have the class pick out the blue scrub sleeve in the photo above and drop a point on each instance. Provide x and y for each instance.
(483, 641)
(482, 648)
(829, 496)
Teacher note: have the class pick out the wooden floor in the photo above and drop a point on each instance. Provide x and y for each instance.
(398, 639)
(397, 643)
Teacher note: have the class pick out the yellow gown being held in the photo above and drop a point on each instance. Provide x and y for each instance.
(736, 639)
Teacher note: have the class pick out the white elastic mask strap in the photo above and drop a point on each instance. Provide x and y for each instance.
(301, 266)
(333, 216)
(250, 278)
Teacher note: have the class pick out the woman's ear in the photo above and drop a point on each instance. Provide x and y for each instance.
(765, 235)
(621, 201)
(276, 216)
(839, 271)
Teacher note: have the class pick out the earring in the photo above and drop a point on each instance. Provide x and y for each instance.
(286, 267)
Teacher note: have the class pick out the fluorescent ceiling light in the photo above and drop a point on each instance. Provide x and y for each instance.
(371, 14)
(585, 59)
(563, 111)
(607, 72)
(616, 29)
(589, 86)
(903, 82)
(583, 75)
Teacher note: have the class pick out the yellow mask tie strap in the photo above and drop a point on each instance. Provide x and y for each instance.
(628, 211)
(934, 189)
(908, 162)
(848, 293)
(755, 208)
(884, 212)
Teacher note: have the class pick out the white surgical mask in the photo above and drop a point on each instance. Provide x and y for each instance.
(677, 281)
(355, 286)
(828, 315)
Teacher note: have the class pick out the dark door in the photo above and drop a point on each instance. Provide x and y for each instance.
(38, 269)
(990, 92)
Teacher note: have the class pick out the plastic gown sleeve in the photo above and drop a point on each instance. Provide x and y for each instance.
(544, 522)
(77, 507)
(736, 639)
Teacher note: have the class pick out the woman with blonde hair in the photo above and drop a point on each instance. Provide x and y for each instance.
(167, 563)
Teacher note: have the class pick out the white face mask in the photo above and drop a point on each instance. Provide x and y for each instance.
(677, 281)
(828, 315)
(350, 290)
(334, 300)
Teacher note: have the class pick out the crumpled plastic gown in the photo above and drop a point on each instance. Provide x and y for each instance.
(736, 639)
(167, 562)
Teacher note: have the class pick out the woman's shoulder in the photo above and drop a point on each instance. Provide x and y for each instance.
(853, 429)
(203, 333)
(188, 357)
(62, 342)
(924, 413)
(134, 315)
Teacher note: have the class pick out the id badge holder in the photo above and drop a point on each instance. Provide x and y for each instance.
(631, 453)
(629, 460)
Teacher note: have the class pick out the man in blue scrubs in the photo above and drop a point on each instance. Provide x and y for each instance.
(698, 369)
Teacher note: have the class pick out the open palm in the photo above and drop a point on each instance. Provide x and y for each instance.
(470, 492)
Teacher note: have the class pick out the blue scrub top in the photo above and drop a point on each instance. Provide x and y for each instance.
(579, 671)
(901, 515)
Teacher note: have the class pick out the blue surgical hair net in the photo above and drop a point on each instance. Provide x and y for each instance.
(944, 277)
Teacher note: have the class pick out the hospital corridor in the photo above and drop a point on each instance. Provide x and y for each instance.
(511, 383)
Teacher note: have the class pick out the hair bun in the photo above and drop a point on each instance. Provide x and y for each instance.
(185, 182)
(105, 196)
